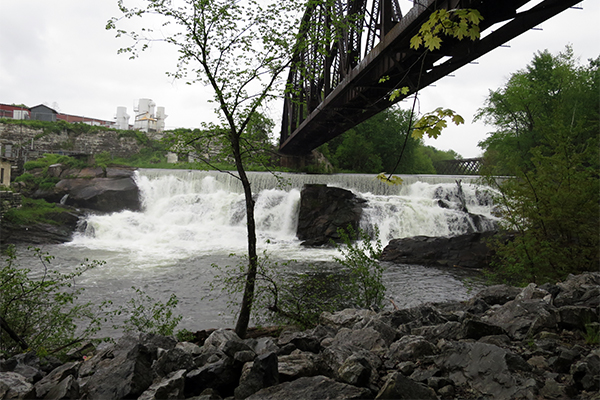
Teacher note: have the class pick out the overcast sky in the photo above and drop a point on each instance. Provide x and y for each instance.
(57, 52)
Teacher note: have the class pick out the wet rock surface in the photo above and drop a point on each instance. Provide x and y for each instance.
(504, 343)
(468, 250)
(324, 210)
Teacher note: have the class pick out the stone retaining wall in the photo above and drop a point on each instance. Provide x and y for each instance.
(9, 200)
(85, 143)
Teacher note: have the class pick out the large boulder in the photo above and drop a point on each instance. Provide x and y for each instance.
(324, 210)
(119, 373)
(312, 388)
(469, 250)
(101, 194)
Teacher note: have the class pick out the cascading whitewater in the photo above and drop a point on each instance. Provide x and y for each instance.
(195, 212)
(193, 219)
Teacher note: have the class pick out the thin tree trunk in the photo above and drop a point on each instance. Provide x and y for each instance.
(13, 335)
(241, 326)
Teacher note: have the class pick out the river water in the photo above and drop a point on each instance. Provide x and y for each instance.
(193, 219)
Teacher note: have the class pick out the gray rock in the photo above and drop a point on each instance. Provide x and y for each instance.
(523, 318)
(190, 348)
(586, 373)
(312, 388)
(127, 374)
(346, 318)
(367, 338)
(172, 360)
(498, 294)
(55, 377)
(397, 386)
(261, 373)
(451, 330)
(68, 388)
(410, 348)
(355, 371)
(220, 337)
(262, 345)
(299, 364)
(482, 366)
(324, 210)
(15, 386)
(101, 194)
(423, 315)
(223, 376)
(476, 329)
(576, 317)
(169, 387)
(468, 250)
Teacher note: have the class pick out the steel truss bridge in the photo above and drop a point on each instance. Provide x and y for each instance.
(336, 82)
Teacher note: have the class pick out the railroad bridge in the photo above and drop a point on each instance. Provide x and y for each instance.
(338, 83)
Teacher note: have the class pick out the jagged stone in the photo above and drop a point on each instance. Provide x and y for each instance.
(172, 360)
(68, 388)
(400, 387)
(476, 329)
(346, 318)
(498, 294)
(299, 364)
(169, 387)
(223, 376)
(15, 386)
(482, 366)
(101, 194)
(522, 318)
(261, 373)
(586, 373)
(324, 210)
(125, 373)
(312, 388)
(55, 377)
(355, 371)
(469, 250)
(410, 348)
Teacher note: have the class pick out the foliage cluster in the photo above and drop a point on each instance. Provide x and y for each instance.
(40, 309)
(547, 139)
(32, 211)
(145, 314)
(50, 159)
(374, 146)
(285, 295)
(40, 306)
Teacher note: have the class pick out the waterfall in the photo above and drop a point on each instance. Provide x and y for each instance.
(187, 213)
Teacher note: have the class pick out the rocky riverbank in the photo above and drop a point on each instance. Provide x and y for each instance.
(504, 343)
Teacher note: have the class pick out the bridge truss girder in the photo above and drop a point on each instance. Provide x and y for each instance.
(335, 82)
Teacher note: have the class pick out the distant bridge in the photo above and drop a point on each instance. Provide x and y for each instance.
(465, 166)
(338, 85)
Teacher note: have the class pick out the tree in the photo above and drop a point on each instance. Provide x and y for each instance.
(237, 48)
(547, 139)
(551, 90)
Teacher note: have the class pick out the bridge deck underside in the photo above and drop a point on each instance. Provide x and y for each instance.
(361, 94)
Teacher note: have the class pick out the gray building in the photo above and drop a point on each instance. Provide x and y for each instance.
(43, 113)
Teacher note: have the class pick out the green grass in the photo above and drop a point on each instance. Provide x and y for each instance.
(32, 211)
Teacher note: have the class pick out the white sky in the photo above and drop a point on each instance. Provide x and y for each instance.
(57, 52)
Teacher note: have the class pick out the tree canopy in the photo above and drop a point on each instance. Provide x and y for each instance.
(547, 141)
(552, 92)
(375, 145)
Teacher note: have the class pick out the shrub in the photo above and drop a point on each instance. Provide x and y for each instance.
(38, 308)
(145, 314)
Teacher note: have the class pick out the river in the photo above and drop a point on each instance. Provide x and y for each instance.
(193, 219)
